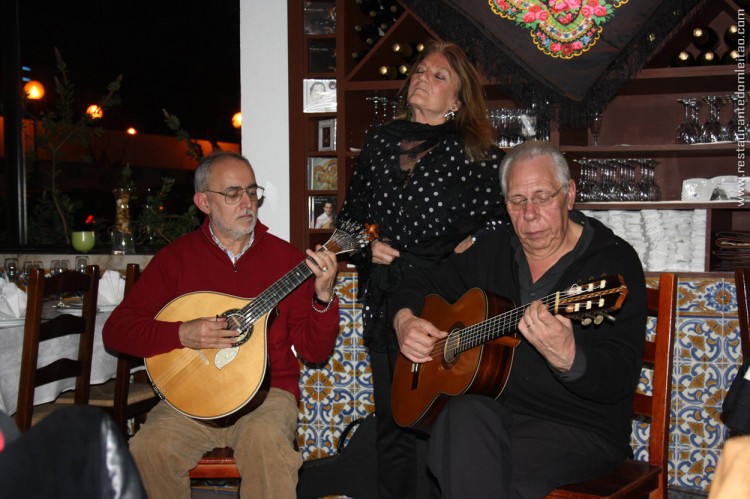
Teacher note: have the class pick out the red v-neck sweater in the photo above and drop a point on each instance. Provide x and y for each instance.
(195, 263)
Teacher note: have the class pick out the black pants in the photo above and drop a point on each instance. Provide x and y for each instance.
(402, 470)
(479, 449)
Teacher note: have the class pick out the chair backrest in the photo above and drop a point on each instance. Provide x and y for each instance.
(122, 409)
(742, 283)
(36, 331)
(662, 304)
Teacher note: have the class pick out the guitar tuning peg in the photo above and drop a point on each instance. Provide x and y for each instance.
(598, 319)
(609, 318)
(586, 321)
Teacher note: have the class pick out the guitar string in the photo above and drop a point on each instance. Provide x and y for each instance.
(339, 241)
(469, 337)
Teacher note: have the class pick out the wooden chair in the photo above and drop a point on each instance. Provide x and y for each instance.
(742, 283)
(121, 398)
(218, 463)
(36, 331)
(636, 478)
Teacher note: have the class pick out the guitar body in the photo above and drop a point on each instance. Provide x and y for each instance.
(190, 381)
(420, 391)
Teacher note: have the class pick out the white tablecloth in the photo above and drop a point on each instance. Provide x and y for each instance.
(103, 366)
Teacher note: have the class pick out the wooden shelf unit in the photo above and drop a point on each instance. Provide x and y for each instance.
(640, 122)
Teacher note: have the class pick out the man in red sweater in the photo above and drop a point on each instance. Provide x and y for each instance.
(231, 253)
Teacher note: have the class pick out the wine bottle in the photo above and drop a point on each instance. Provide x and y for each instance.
(369, 33)
(393, 7)
(707, 58)
(403, 71)
(705, 38)
(388, 72)
(357, 55)
(405, 50)
(683, 60)
(731, 36)
(730, 57)
(419, 48)
(368, 6)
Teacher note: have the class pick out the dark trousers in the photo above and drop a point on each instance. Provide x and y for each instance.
(479, 449)
(402, 470)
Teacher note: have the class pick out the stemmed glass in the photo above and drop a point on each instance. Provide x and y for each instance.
(58, 267)
(712, 130)
(81, 263)
(732, 129)
(687, 131)
(10, 268)
(595, 124)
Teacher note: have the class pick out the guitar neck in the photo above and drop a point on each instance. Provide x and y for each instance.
(271, 297)
(494, 327)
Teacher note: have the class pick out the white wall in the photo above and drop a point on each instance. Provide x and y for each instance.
(265, 108)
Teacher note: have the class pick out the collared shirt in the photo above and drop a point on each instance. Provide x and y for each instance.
(530, 290)
(228, 251)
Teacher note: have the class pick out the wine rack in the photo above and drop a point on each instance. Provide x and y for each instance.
(640, 122)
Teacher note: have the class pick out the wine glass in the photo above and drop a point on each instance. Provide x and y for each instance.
(595, 125)
(10, 268)
(81, 263)
(687, 132)
(58, 267)
(732, 128)
(712, 130)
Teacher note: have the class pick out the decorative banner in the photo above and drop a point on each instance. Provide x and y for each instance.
(569, 56)
(559, 28)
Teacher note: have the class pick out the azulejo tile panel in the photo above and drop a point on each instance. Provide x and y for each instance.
(706, 358)
(707, 355)
(340, 391)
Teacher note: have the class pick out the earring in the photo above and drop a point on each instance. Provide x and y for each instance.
(450, 115)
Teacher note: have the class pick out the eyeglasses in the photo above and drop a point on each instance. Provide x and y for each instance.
(234, 194)
(518, 203)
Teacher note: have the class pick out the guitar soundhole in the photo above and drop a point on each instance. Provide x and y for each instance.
(236, 322)
(452, 346)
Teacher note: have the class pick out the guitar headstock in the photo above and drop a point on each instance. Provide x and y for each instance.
(591, 301)
(351, 236)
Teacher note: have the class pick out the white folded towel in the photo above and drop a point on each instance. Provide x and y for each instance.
(111, 288)
(12, 301)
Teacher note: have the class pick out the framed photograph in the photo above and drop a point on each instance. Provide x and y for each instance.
(321, 56)
(319, 96)
(320, 17)
(322, 174)
(327, 135)
(322, 212)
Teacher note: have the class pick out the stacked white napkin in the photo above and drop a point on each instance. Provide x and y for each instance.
(12, 301)
(111, 288)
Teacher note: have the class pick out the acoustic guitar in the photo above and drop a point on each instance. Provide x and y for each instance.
(477, 355)
(221, 385)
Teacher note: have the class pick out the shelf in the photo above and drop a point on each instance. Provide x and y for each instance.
(658, 151)
(664, 205)
(707, 79)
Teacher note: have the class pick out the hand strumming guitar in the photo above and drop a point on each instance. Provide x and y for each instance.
(207, 332)
(416, 336)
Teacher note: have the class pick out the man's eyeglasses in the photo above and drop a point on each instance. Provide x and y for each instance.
(518, 203)
(234, 194)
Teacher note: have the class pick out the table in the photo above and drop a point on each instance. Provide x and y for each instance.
(103, 365)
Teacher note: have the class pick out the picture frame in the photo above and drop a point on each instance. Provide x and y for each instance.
(322, 174)
(322, 210)
(327, 135)
(319, 95)
(321, 56)
(320, 17)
